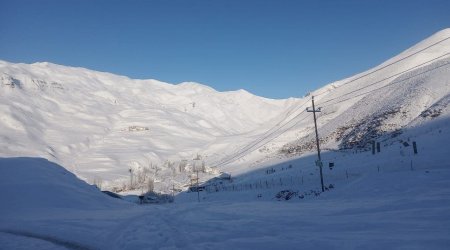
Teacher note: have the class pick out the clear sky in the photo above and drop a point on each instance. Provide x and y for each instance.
(276, 49)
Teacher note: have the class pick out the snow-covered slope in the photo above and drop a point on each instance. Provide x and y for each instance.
(32, 185)
(99, 125)
(395, 210)
(402, 93)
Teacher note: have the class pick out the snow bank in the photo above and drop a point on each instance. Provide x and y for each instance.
(389, 210)
(30, 184)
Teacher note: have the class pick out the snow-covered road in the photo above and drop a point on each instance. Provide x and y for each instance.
(374, 212)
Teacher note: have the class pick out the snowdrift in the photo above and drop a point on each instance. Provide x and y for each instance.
(32, 184)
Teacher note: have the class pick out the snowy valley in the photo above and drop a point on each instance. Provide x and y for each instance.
(384, 137)
(100, 125)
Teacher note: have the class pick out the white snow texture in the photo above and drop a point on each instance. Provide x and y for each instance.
(61, 127)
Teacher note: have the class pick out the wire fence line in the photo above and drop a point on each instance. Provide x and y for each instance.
(310, 180)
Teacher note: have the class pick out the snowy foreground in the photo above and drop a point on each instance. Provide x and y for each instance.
(46, 207)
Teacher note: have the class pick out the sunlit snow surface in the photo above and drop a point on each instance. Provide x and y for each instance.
(399, 209)
(99, 125)
(58, 123)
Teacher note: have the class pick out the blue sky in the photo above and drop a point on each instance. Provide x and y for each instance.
(275, 49)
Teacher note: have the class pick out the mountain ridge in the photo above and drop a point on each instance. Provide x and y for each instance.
(100, 125)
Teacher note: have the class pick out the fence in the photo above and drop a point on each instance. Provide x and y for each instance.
(306, 180)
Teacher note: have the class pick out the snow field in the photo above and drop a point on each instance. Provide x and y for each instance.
(372, 211)
(81, 119)
(101, 126)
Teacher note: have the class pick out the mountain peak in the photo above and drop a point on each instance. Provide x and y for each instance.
(197, 87)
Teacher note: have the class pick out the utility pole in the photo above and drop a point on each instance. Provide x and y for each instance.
(198, 191)
(173, 192)
(319, 162)
(131, 178)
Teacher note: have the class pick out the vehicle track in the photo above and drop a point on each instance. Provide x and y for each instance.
(59, 242)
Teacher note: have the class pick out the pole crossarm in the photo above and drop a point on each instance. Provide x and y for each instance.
(319, 109)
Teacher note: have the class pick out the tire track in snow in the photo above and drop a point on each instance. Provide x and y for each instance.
(156, 228)
(179, 238)
(53, 240)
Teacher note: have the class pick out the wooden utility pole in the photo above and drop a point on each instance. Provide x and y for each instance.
(131, 178)
(319, 162)
(173, 190)
(198, 191)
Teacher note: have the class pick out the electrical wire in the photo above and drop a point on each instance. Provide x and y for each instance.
(386, 78)
(390, 84)
(390, 64)
(249, 146)
(242, 153)
(258, 140)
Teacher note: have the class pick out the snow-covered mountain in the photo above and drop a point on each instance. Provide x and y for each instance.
(405, 92)
(99, 125)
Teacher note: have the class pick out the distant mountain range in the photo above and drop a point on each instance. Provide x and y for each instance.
(99, 125)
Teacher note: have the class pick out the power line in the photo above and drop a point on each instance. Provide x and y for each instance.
(390, 64)
(249, 146)
(258, 140)
(240, 154)
(384, 79)
(390, 84)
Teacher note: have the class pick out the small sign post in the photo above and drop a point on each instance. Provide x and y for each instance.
(331, 165)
